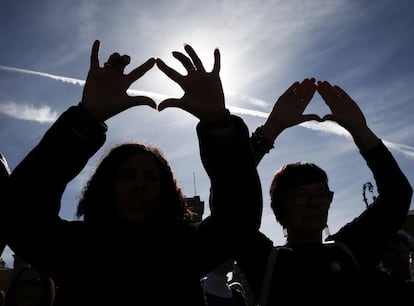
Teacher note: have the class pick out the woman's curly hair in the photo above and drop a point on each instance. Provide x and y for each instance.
(97, 200)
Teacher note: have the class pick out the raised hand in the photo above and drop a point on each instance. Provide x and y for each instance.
(289, 107)
(104, 94)
(347, 113)
(344, 110)
(203, 93)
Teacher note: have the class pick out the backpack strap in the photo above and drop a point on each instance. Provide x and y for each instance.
(268, 275)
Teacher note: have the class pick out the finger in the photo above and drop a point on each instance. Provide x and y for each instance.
(114, 57)
(196, 60)
(290, 90)
(94, 55)
(309, 82)
(171, 73)
(185, 61)
(169, 103)
(142, 100)
(334, 93)
(325, 90)
(217, 64)
(117, 62)
(141, 70)
(309, 90)
(307, 97)
(307, 85)
(341, 93)
(326, 83)
(309, 117)
(328, 117)
(125, 59)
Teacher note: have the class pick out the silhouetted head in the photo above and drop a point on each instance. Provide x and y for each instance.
(29, 287)
(133, 183)
(288, 187)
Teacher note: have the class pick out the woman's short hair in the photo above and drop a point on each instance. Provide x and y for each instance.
(288, 177)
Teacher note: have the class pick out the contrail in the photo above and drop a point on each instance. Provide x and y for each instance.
(47, 116)
(46, 75)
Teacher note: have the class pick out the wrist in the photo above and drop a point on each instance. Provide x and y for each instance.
(87, 114)
(221, 123)
(261, 141)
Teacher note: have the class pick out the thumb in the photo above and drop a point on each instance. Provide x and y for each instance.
(310, 117)
(328, 117)
(169, 103)
(143, 100)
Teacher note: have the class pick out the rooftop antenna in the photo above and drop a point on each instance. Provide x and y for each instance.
(195, 188)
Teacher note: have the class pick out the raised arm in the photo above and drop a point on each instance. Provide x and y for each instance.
(224, 143)
(105, 89)
(36, 185)
(347, 114)
(368, 234)
(287, 112)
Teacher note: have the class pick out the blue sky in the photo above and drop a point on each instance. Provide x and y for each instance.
(366, 47)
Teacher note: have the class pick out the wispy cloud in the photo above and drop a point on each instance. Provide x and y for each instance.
(44, 113)
(41, 114)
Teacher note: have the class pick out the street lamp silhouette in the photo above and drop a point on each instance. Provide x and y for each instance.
(370, 187)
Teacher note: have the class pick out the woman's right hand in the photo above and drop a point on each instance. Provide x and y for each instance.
(104, 94)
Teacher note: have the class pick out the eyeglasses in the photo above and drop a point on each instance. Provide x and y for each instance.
(302, 196)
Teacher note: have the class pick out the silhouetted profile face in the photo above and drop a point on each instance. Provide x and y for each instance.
(307, 207)
(137, 188)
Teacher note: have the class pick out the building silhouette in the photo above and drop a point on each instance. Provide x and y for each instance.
(197, 206)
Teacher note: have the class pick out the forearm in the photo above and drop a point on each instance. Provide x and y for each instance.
(369, 232)
(392, 184)
(364, 138)
(61, 154)
(230, 164)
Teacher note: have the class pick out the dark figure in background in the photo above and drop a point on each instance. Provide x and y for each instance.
(29, 287)
(4, 174)
(395, 263)
(306, 267)
(218, 289)
(133, 210)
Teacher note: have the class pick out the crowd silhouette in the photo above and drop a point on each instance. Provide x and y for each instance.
(133, 210)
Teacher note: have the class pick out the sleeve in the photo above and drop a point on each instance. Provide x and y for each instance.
(236, 195)
(36, 185)
(368, 234)
(260, 144)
